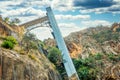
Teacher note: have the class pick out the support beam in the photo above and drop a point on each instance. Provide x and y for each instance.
(69, 66)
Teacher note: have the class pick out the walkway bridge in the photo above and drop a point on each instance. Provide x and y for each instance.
(69, 66)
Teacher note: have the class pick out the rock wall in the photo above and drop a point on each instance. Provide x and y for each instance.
(83, 44)
(14, 66)
(111, 72)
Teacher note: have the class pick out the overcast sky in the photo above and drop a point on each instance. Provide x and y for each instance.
(71, 15)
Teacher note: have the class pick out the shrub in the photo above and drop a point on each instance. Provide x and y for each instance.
(32, 56)
(54, 55)
(98, 56)
(11, 39)
(86, 73)
(86, 68)
(7, 44)
(83, 73)
(113, 57)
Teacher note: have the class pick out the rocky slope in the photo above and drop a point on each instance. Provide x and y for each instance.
(91, 41)
(14, 66)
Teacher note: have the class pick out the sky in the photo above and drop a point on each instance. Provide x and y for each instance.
(71, 15)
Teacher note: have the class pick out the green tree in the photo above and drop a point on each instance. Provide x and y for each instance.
(30, 42)
(7, 19)
(54, 56)
(14, 21)
(86, 68)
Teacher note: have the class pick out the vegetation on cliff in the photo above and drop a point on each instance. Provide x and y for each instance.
(106, 35)
(9, 42)
(23, 60)
(97, 53)
(91, 68)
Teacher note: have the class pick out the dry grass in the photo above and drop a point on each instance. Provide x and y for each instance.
(33, 57)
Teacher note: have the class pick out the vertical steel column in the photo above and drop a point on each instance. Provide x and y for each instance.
(69, 66)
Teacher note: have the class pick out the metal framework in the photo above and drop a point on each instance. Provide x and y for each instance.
(69, 66)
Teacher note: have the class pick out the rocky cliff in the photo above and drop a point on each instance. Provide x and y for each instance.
(91, 41)
(96, 49)
(14, 66)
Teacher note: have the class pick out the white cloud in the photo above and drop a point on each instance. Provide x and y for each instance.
(36, 12)
(95, 23)
(72, 17)
(5, 7)
(66, 29)
(13, 12)
(40, 3)
(62, 5)
(117, 1)
(42, 33)
(23, 12)
(4, 4)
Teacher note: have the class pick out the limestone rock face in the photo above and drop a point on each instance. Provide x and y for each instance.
(83, 43)
(74, 49)
(115, 26)
(112, 47)
(111, 72)
(14, 66)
